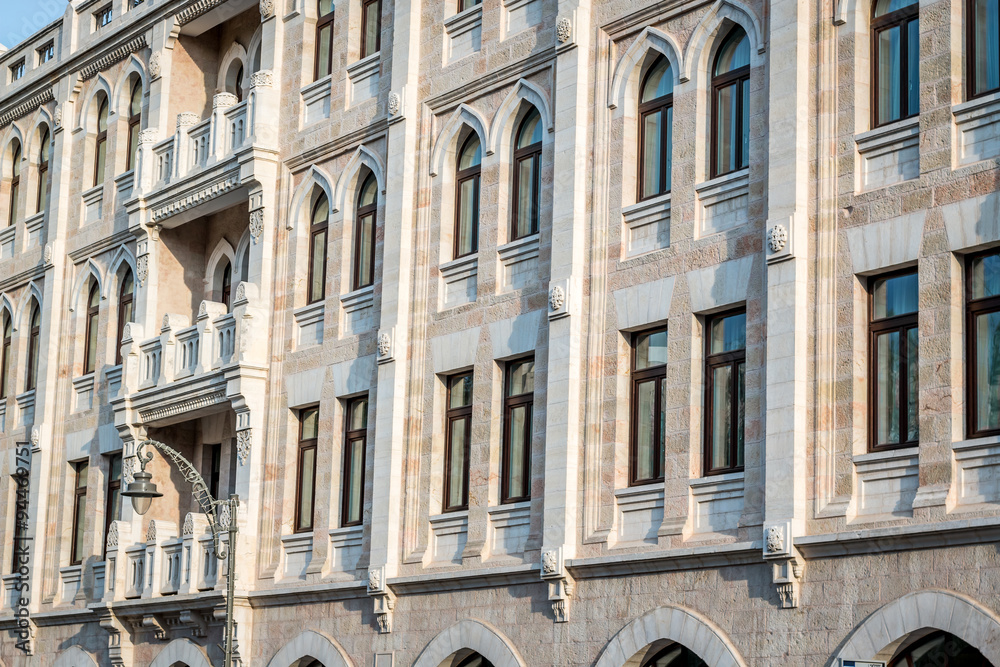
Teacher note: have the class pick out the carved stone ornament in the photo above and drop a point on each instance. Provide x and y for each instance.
(187, 119)
(384, 344)
(241, 293)
(47, 253)
(374, 579)
(564, 29)
(142, 269)
(777, 238)
(256, 224)
(394, 103)
(225, 516)
(224, 100)
(35, 436)
(550, 562)
(127, 332)
(557, 297)
(188, 528)
(151, 532)
(166, 321)
(128, 465)
(262, 79)
(203, 309)
(148, 136)
(57, 117)
(244, 442)
(266, 9)
(775, 540)
(154, 65)
(112, 542)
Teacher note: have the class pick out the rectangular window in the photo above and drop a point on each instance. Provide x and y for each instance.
(102, 17)
(468, 4)
(17, 70)
(355, 439)
(212, 457)
(80, 469)
(371, 27)
(519, 391)
(983, 354)
(113, 499)
(324, 40)
(893, 351)
(458, 436)
(725, 392)
(649, 395)
(305, 499)
(46, 53)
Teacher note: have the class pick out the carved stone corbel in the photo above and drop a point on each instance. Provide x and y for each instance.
(384, 601)
(119, 641)
(194, 621)
(560, 583)
(785, 561)
(151, 622)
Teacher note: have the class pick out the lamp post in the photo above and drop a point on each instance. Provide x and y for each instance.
(221, 517)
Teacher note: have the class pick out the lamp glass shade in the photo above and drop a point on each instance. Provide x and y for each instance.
(141, 491)
(141, 504)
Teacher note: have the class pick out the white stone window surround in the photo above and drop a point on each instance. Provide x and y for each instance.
(26, 407)
(977, 473)
(887, 482)
(113, 376)
(977, 123)
(509, 527)
(345, 547)
(359, 299)
(297, 548)
(460, 281)
(889, 154)
(363, 77)
(70, 579)
(93, 200)
(639, 513)
(309, 324)
(124, 184)
(33, 227)
(647, 225)
(463, 34)
(316, 100)
(7, 241)
(10, 593)
(83, 391)
(449, 534)
(519, 261)
(519, 15)
(723, 202)
(716, 503)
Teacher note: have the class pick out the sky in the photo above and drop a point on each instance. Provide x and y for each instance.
(19, 19)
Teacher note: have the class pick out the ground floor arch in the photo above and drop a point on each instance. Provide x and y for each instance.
(181, 652)
(311, 649)
(454, 646)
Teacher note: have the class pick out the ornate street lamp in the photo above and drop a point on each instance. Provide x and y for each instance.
(221, 516)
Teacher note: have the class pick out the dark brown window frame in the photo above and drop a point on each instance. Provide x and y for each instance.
(101, 143)
(901, 323)
(315, 229)
(656, 374)
(93, 319)
(532, 152)
(461, 176)
(660, 104)
(304, 446)
(134, 123)
(739, 77)
(973, 309)
(900, 17)
(124, 299)
(364, 28)
(349, 437)
(362, 212)
(15, 182)
(970, 51)
(33, 343)
(719, 360)
(112, 486)
(452, 415)
(322, 22)
(527, 400)
(7, 325)
(463, 5)
(79, 495)
(43, 172)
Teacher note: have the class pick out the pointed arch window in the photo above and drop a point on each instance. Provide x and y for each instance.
(93, 314)
(364, 233)
(239, 84)
(227, 284)
(983, 47)
(101, 145)
(5, 357)
(467, 193)
(895, 60)
(318, 231)
(656, 115)
(324, 40)
(245, 265)
(44, 178)
(940, 649)
(126, 312)
(527, 176)
(675, 655)
(15, 181)
(731, 104)
(134, 122)
(34, 341)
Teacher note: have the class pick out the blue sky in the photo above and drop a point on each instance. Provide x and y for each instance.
(19, 19)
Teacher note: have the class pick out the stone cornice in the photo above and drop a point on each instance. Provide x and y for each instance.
(188, 199)
(26, 107)
(101, 245)
(978, 530)
(180, 407)
(111, 57)
(630, 563)
(34, 273)
(197, 9)
(350, 140)
(522, 69)
(463, 580)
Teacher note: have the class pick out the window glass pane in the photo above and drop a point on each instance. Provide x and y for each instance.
(33, 360)
(133, 144)
(522, 377)
(659, 82)
(460, 391)
(92, 344)
(651, 349)
(889, 65)
(735, 52)
(3, 369)
(895, 296)
(307, 471)
(645, 430)
(516, 476)
(115, 468)
(371, 28)
(531, 130)
(365, 240)
(102, 116)
(525, 196)
(467, 217)
(325, 7)
(101, 155)
(369, 192)
(652, 135)
(135, 104)
(987, 332)
(725, 125)
(722, 391)
(912, 396)
(888, 369)
(115, 504)
(729, 333)
(472, 153)
(741, 399)
(668, 131)
(78, 527)
(745, 126)
(310, 423)
(355, 480)
(986, 276)
(323, 53)
(317, 263)
(986, 45)
(456, 472)
(82, 469)
(883, 7)
(359, 414)
(912, 67)
(321, 210)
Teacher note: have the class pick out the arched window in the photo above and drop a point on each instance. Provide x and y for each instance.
(527, 176)
(15, 181)
(675, 655)
(467, 194)
(255, 62)
(317, 249)
(227, 284)
(940, 649)
(364, 233)
(984, 47)
(731, 104)
(34, 332)
(126, 310)
(101, 146)
(44, 181)
(245, 265)
(93, 313)
(134, 122)
(239, 84)
(5, 358)
(656, 115)
(896, 57)
(324, 40)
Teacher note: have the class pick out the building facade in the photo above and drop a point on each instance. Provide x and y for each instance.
(527, 332)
